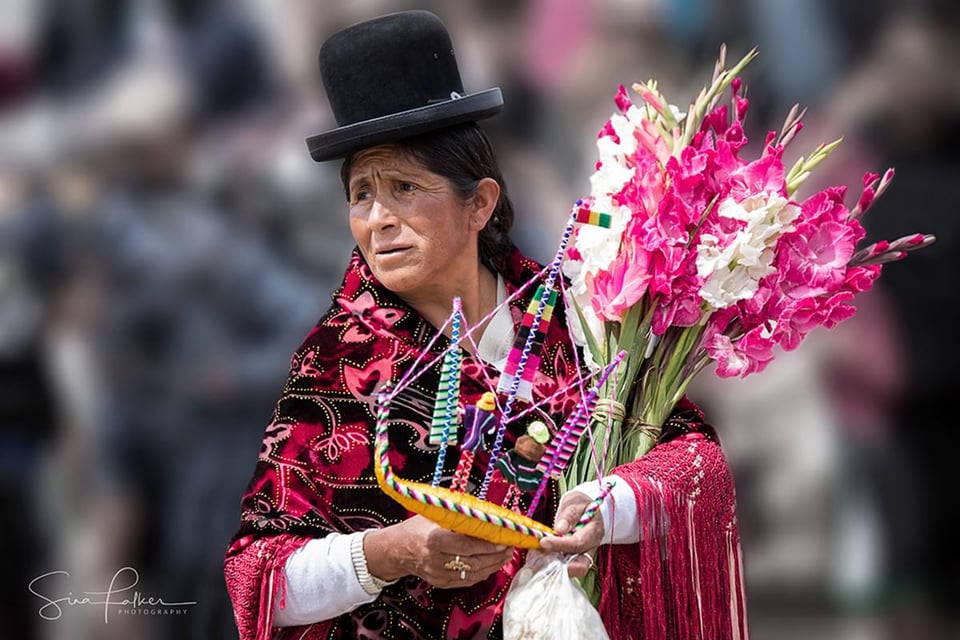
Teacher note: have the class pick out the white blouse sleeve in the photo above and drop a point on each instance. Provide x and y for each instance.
(619, 510)
(321, 582)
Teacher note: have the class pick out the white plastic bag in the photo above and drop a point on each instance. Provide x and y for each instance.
(544, 603)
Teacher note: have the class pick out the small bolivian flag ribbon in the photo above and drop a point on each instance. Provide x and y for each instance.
(586, 215)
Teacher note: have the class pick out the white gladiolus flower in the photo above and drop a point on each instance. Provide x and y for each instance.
(598, 246)
(624, 129)
(767, 214)
(733, 272)
(573, 271)
(613, 173)
(710, 255)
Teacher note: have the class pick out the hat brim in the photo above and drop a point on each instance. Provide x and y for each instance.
(342, 141)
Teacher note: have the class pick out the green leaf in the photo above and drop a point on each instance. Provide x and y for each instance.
(595, 351)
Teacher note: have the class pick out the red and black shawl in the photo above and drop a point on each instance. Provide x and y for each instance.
(314, 474)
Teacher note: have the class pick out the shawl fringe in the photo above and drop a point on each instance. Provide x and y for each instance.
(684, 579)
(255, 577)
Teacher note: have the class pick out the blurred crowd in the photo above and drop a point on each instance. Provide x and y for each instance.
(166, 242)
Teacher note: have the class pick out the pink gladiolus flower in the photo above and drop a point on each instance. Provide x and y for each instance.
(695, 179)
(729, 363)
(751, 354)
(734, 135)
(742, 105)
(807, 314)
(833, 310)
(682, 311)
(648, 137)
(669, 225)
(719, 321)
(622, 100)
(618, 288)
(768, 302)
(796, 322)
(608, 132)
(651, 99)
(644, 190)
(866, 199)
(757, 344)
(815, 258)
(860, 279)
(727, 162)
(825, 206)
(765, 174)
(716, 121)
(665, 264)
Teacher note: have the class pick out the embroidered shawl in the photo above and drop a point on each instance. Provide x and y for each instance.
(314, 475)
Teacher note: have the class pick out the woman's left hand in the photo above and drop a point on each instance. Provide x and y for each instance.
(582, 542)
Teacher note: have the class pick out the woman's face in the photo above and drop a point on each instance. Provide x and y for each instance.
(417, 235)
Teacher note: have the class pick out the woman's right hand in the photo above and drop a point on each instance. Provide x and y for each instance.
(420, 547)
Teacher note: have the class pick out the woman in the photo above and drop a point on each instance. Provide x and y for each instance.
(322, 552)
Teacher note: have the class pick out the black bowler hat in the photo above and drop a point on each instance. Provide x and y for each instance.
(391, 78)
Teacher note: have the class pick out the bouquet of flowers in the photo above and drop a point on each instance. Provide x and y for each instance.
(693, 254)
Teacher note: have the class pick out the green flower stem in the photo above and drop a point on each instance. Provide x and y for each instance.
(664, 383)
(649, 387)
(632, 335)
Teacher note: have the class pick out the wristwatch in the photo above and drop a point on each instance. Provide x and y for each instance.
(371, 584)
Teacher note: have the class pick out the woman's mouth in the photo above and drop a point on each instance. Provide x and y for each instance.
(390, 251)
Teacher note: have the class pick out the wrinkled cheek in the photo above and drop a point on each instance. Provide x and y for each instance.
(360, 233)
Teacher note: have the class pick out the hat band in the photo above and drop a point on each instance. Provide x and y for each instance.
(442, 113)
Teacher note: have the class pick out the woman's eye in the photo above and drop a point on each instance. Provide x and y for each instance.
(407, 187)
(361, 195)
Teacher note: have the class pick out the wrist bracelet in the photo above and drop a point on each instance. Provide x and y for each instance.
(371, 584)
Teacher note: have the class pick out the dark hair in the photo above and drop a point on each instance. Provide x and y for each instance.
(463, 155)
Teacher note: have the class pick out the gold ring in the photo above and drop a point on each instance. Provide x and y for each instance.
(457, 565)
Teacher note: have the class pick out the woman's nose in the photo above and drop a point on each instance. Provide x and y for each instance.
(381, 214)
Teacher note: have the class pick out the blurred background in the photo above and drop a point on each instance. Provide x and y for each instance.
(166, 242)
